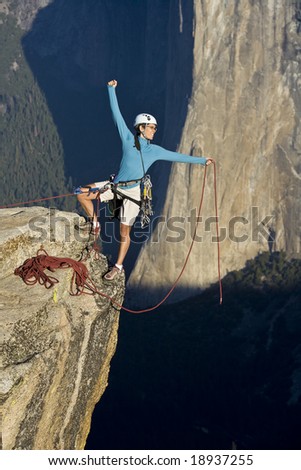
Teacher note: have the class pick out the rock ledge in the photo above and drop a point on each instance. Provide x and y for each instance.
(56, 349)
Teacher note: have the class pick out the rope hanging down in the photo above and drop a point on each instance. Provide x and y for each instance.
(32, 270)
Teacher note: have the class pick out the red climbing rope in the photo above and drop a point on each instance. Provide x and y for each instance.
(33, 270)
(17, 204)
(217, 236)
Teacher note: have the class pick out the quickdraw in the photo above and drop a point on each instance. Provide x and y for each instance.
(146, 201)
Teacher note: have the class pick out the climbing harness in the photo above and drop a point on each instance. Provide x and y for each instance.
(144, 203)
(114, 204)
(32, 270)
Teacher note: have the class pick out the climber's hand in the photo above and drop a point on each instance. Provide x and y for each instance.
(113, 83)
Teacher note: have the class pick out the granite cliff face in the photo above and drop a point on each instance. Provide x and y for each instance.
(55, 348)
(245, 112)
(24, 11)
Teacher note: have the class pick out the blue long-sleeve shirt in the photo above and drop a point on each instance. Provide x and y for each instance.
(131, 165)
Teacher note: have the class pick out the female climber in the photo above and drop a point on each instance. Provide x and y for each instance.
(138, 154)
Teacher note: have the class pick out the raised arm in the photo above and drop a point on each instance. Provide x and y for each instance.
(123, 130)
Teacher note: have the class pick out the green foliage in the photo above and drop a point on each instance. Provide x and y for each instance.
(31, 153)
(274, 270)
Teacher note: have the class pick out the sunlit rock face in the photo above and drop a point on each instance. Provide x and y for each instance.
(244, 112)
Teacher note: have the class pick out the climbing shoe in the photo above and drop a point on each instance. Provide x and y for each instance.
(113, 273)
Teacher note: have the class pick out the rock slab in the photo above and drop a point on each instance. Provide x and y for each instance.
(55, 348)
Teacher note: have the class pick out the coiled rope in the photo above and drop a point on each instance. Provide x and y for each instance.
(33, 270)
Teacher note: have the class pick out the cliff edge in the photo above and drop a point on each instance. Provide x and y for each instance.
(56, 348)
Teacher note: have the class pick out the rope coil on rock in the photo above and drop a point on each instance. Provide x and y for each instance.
(33, 269)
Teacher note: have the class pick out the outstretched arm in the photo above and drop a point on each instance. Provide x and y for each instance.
(163, 154)
(123, 130)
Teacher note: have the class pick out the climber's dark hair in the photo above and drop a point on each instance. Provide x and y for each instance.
(137, 143)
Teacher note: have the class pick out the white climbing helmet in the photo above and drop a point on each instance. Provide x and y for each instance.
(144, 119)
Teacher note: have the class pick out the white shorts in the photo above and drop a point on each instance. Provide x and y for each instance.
(129, 210)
